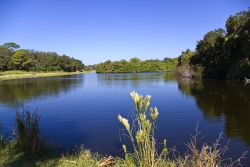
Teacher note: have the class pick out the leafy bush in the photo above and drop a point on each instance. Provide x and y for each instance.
(136, 65)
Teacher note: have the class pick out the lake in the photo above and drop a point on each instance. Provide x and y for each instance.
(83, 109)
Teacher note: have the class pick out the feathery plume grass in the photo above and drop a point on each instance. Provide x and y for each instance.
(142, 135)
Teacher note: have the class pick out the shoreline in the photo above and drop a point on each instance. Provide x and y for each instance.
(14, 75)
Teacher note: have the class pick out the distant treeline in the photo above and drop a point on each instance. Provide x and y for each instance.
(222, 53)
(14, 58)
(136, 65)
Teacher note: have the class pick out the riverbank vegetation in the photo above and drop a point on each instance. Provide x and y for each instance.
(14, 58)
(136, 65)
(29, 148)
(222, 53)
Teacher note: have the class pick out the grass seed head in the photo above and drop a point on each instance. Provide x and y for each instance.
(154, 113)
(124, 122)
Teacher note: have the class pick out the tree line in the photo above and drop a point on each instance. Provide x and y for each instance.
(14, 58)
(136, 65)
(222, 53)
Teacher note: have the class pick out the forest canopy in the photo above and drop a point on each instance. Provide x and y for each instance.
(223, 53)
(137, 65)
(14, 58)
(220, 54)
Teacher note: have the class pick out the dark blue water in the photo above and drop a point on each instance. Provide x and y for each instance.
(82, 109)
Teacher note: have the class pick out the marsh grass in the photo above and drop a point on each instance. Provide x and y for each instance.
(28, 138)
(3, 139)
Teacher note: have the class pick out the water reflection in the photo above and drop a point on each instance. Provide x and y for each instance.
(222, 98)
(14, 92)
(93, 100)
(129, 79)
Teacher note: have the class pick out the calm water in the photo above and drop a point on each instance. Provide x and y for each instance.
(82, 109)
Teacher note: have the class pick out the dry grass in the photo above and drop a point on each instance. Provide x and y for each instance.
(141, 133)
(207, 156)
(12, 75)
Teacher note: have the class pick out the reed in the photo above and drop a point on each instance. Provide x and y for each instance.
(28, 138)
(3, 140)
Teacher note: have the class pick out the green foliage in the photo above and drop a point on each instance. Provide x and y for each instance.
(5, 58)
(21, 59)
(136, 65)
(185, 57)
(209, 53)
(233, 23)
(11, 45)
(12, 59)
(226, 54)
(170, 63)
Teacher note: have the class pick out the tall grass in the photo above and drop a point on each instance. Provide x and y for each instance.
(207, 155)
(142, 133)
(3, 140)
(28, 138)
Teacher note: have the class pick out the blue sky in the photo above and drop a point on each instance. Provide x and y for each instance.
(98, 30)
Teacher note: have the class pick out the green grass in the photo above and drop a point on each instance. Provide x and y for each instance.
(10, 156)
(18, 74)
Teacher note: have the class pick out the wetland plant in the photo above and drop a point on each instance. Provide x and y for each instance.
(28, 138)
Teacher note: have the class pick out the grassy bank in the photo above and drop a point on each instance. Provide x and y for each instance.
(10, 156)
(11, 75)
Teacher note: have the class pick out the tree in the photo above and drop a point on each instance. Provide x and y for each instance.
(11, 45)
(185, 57)
(233, 23)
(5, 58)
(21, 59)
(226, 54)
(136, 65)
(210, 54)
(11, 58)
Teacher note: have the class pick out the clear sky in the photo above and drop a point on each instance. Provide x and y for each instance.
(98, 30)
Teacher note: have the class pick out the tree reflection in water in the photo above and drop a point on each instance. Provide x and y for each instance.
(218, 98)
(14, 92)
